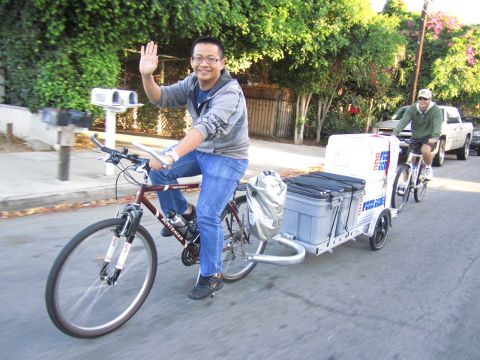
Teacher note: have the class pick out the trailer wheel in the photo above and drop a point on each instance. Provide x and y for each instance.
(380, 233)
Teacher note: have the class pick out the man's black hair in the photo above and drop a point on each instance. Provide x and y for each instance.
(209, 40)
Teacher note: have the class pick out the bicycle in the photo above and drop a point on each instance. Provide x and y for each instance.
(92, 289)
(410, 176)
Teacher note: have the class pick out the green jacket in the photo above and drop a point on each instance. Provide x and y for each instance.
(424, 125)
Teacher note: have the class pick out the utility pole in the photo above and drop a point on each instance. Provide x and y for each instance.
(418, 54)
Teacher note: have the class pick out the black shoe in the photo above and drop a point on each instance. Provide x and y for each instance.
(192, 215)
(206, 286)
(165, 232)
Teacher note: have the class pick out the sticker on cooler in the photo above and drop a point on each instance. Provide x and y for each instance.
(381, 161)
(372, 204)
(376, 197)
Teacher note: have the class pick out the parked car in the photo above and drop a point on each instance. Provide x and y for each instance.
(475, 143)
(455, 136)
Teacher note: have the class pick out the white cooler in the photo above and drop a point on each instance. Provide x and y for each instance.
(367, 156)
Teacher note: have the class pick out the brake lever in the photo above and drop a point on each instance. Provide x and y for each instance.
(142, 169)
(104, 158)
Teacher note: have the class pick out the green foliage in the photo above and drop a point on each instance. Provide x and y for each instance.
(395, 8)
(65, 77)
(444, 65)
(55, 51)
(456, 76)
(340, 122)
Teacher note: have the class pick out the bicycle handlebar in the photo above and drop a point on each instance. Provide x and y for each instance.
(116, 156)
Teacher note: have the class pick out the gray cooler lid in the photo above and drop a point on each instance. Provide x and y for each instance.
(310, 187)
(347, 182)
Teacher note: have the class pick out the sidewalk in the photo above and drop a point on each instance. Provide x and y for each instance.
(30, 179)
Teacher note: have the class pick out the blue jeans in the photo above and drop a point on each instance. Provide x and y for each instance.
(221, 175)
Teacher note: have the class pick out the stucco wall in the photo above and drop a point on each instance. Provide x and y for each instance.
(27, 125)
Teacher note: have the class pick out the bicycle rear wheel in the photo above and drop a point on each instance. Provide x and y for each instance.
(421, 185)
(80, 301)
(238, 242)
(401, 188)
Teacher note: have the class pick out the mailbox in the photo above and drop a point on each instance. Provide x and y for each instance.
(114, 98)
(113, 101)
(80, 119)
(128, 98)
(105, 97)
(60, 117)
(55, 117)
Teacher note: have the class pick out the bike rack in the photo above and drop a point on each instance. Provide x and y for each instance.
(284, 239)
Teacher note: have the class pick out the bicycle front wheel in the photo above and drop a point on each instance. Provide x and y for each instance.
(238, 242)
(82, 301)
(401, 188)
(421, 185)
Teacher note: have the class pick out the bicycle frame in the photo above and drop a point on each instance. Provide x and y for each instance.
(414, 169)
(141, 199)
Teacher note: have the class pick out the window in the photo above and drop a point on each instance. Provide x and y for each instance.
(453, 117)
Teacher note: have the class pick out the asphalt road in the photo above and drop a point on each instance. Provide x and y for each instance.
(417, 298)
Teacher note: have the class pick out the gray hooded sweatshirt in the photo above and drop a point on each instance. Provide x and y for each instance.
(221, 118)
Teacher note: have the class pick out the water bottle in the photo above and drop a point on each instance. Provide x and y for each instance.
(178, 221)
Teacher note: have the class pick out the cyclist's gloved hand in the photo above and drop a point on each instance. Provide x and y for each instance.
(157, 165)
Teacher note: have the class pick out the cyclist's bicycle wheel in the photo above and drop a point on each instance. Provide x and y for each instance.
(79, 298)
(401, 188)
(421, 185)
(238, 242)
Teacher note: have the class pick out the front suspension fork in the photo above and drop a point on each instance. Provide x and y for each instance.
(132, 215)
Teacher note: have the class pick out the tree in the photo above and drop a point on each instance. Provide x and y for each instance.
(456, 75)
(55, 51)
(341, 42)
(449, 61)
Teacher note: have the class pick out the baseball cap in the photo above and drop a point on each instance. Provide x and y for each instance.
(425, 93)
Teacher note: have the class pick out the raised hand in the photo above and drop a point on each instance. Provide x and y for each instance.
(148, 59)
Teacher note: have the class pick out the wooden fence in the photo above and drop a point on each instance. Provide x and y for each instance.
(271, 111)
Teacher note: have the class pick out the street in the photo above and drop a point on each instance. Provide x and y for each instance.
(416, 298)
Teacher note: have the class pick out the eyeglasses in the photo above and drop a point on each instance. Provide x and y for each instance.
(209, 59)
(423, 99)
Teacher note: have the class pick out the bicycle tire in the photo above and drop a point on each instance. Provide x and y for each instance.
(421, 185)
(236, 246)
(99, 308)
(401, 190)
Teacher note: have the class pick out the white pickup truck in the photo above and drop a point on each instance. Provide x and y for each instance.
(455, 136)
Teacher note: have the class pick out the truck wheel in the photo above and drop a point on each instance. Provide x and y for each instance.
(462, 154)
(440, 155)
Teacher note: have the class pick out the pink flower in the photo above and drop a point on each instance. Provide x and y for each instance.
(470, 55)
(410, 23)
